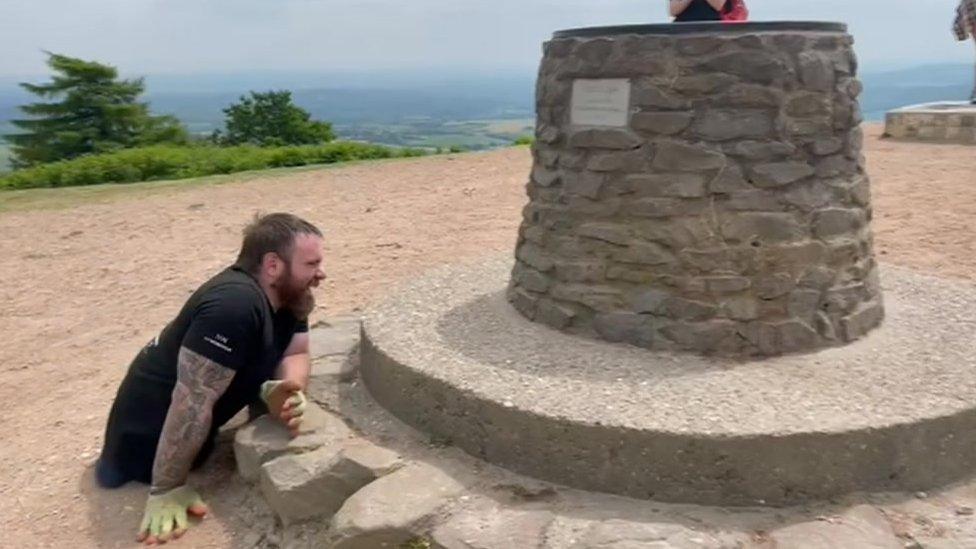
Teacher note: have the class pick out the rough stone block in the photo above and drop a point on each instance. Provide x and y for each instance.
(629, 161)
(621, 534)
(387, 511)
(559, 316)
(624, 327)
(807, 104)
(677, 233)
(684, 157)
(751, 95)
(816, 71)
(535, 257)
(677, 185)
(863, 527)
(762, 150)
(701, 84)
(604, 139)
(613, 233)
(778, 174)
(827, 146)
(727, 284)
(491, 527)
(586, 184)
(775, 285)
(266, 438)
(812, 195)
(780, 337)
(581, 271)
(762, 227)
(833, 222)
(722, 125)
(741, 308)
(694, 46)
(650, 302)
(523, 301)
(714, 336)
(759, 67)
(317, 484)
(545, 177)
(665, 207)
(644, 253)
(729, 180)
(664, 123)
(656, 98)
(753, 201)
(803, 304)
(531, 279)
(867, 316)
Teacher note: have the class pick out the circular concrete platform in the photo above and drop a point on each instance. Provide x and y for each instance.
(893, 411)
(946, 121)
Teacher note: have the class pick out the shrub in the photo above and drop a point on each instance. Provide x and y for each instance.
(176, 162)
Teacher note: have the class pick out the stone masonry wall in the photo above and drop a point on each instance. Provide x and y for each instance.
(731, 216)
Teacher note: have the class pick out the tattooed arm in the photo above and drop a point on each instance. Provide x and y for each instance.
(199, 383)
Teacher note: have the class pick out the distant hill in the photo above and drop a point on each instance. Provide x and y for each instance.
(437, 109)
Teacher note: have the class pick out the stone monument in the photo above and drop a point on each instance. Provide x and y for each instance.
(694, 312)
(714, 200)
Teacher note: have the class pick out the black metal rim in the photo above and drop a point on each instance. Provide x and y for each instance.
(710, 27)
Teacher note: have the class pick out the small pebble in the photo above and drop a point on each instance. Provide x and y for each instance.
(921, 495)
(964, 511)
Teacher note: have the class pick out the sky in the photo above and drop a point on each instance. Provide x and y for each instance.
(217, 36)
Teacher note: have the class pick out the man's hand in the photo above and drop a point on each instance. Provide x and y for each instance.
(165, 515)
(285, 401)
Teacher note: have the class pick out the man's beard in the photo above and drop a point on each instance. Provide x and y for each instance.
(295, 297)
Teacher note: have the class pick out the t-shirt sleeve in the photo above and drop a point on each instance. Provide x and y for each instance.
(225, 327)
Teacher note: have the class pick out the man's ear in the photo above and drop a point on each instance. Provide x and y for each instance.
(271, 264)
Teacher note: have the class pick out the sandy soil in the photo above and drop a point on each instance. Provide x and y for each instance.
(85, 287)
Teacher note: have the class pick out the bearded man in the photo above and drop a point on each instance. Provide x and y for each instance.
(241, 339)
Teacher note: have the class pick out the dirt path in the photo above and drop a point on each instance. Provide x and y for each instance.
(85, 287)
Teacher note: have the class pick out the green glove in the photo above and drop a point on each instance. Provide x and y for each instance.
(284, 396)
(166, 513)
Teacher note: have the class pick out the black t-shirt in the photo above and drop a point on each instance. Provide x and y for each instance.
(699, 10)
(228, 320)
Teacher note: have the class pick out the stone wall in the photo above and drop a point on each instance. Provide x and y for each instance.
(937, 122)
(730, 215)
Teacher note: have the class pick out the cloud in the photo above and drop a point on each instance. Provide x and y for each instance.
(159, 36)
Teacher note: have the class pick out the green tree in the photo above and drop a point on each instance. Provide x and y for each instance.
(271, 119)
(88, 110)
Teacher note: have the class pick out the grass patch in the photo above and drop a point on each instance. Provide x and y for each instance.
(70, 197)
(167, 162)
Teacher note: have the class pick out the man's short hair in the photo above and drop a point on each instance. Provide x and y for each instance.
(275, 232)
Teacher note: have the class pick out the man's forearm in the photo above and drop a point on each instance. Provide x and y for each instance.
(296, 367)
(200, 382)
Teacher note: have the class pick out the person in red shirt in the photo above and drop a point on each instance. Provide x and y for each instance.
(707, 10)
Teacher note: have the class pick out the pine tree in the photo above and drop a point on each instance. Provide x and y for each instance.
(88, 110)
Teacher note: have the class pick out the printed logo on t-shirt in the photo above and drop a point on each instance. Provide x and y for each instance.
(219, 341)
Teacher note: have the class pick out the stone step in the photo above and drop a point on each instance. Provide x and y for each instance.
(317, 484)
(393, 509)
(893, 411)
